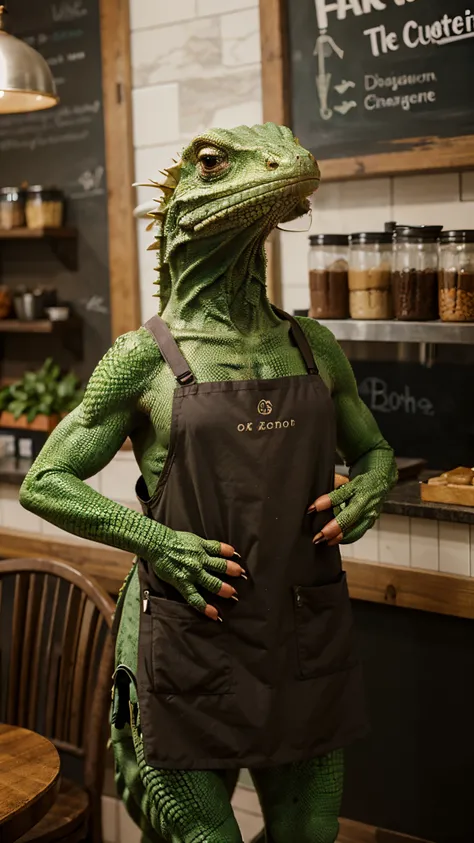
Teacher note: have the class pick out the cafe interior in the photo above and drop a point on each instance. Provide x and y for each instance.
(98, 100)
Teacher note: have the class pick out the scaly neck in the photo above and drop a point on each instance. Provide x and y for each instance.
(218, 284)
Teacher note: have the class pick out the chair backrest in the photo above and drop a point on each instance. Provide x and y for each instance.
(56, 661)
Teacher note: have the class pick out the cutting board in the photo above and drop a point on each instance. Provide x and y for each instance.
(458, 495)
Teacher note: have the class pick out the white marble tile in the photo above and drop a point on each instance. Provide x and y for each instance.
(110, 815)
(295, 298)
(148, 13)
(429, 200)
(185, 51)
(424, 544)
(118, 480)
(454, 548)
(155, 115)
(220, 7)
(344, 207)
(240, 33)
(128, 832)
(226, 101)
(394, 540)
(367, 548)
(246, 113)
(467, 188)
(13, 515)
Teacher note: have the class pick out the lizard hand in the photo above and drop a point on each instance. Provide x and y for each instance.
(358, 505)
(187, 562)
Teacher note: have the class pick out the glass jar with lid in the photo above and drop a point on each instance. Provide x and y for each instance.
(370, 266)
(456, 276)
(328, 270)
(12, 207)
(415, 272)
(44, 207)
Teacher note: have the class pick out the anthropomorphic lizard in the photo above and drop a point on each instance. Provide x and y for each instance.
(218, 205)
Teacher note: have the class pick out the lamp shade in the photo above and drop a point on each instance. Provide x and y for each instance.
(26, 82)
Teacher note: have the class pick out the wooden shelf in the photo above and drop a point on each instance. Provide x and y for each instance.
(35, 326)
(37, 233)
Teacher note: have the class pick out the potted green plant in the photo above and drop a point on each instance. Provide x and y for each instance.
(40, 399)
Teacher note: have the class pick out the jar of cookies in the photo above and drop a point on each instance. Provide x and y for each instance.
(456, 276)
(44, 207)
(370, 267)
(328, 271)
(415, 272)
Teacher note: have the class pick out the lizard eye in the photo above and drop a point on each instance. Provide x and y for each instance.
(211, 161)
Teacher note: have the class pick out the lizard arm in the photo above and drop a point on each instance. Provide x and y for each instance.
(82, 445)
(359, 441)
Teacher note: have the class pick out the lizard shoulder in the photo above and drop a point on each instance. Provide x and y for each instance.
(332, 363)
(122, 375)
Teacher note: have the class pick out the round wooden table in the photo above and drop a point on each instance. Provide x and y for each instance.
(29, 780)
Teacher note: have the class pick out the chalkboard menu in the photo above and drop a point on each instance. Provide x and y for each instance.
(422, 412)
(377, 77)
(64, 146)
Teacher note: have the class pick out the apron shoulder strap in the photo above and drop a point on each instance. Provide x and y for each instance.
(301, 341)
(168, 346)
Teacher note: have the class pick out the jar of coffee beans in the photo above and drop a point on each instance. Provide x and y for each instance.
(415, 272)
(12, 207)
(370, 267)
(328, 269)
(456, 276)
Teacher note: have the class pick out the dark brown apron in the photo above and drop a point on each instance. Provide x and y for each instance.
(278, 681)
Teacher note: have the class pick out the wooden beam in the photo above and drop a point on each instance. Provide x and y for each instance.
(411, 588)
(108, 566)
(274, 61)
(120, 168)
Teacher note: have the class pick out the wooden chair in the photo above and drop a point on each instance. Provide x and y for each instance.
(56, 664)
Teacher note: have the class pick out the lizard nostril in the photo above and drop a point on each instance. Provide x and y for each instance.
(272, 165)
(297, 157)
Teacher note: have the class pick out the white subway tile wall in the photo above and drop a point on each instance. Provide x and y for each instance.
(424, 544)
(454, 548)
(394, 540)
(367, 548)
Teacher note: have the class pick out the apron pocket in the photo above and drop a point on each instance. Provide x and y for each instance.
(324, 629)
(188, 651)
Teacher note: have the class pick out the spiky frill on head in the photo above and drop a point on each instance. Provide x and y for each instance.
(230, 181)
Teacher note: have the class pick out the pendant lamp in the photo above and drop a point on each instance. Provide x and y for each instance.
(26, 82)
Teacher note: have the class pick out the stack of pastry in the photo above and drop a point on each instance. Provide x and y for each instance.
(457, 477)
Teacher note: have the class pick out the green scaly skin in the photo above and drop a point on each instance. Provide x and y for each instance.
(233, 188)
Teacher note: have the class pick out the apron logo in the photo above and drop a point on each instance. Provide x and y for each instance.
(265, 407)
(264, 425)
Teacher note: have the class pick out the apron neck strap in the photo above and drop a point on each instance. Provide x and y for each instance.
(168, 346)
(300, 339)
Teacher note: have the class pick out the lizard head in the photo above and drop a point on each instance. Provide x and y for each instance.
(234, 179)
(228, 191)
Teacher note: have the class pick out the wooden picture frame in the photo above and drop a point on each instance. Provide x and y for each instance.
(427, 154)
(117, 94)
